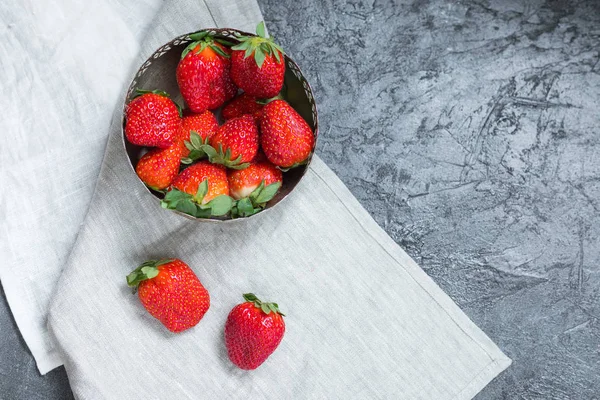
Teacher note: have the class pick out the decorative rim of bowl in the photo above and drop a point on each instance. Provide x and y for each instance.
(229, 33)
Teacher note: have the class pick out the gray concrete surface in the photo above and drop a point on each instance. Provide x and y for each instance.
(470, 131)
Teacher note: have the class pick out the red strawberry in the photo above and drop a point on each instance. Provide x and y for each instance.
(204, 125)
(252, 332)
(203, 74)
(245, 181)
(286, 138)
(258, 65)
(171, 293)
(200, 190)
(253, 187)
(235, 143)
(152, 119)
(190, 179)
(241, 105)
(158, 167)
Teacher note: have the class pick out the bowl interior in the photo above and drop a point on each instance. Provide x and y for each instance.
(158, 72)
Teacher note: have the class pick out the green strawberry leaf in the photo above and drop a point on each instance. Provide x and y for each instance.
(195, 146)
(244, 207)
(260, 29)
(196, 155)
(256, 192)
(200, 213)
(259, 57)
(259, 45)
(248, 52)
(268, 193)
(179, 109)
(277, 57)
(173, 197)
(256, 201)
(298, 164)
(140, 92)
(242, 45)
(195, 139)
(147, 270)
(176, 195)
(265, 308)
(201, 192)
(278, 47)
(189, 48)
(223, 158)
(150, 272)
(210, 151)
(196, 37)
(219, 50)
(220, 205)
(224, 42)
(239, 166)
(266, 48)
(186, 207)
(191, 205)
(250, 297)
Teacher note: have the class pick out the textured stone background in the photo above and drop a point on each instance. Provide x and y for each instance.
(469, 130)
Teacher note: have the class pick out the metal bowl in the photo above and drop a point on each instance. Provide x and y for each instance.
(158, 72)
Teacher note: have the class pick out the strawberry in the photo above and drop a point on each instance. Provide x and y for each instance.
(171, 293)
(286, 138)
(203, 74)
(245, 181)
(152, 119)
(253, 187)
(204, 125)
(189, 180)
(201, 126)
(235, 143)
(253, 331)
(258, 65)
(158, 167)
(241, 105)
(200, 190)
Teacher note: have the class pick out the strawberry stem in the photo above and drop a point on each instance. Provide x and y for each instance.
(203, 40)
(147, 270)
(223, 157)
(264, 306)
(260, 46)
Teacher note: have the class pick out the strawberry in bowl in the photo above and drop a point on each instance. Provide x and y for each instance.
(239, 115)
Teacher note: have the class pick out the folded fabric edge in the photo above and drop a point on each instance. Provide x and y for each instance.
(481, 380)
(498, 360)
(46, 359)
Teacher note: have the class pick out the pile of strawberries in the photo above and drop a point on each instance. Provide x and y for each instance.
(209, 170)
(173, 294)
